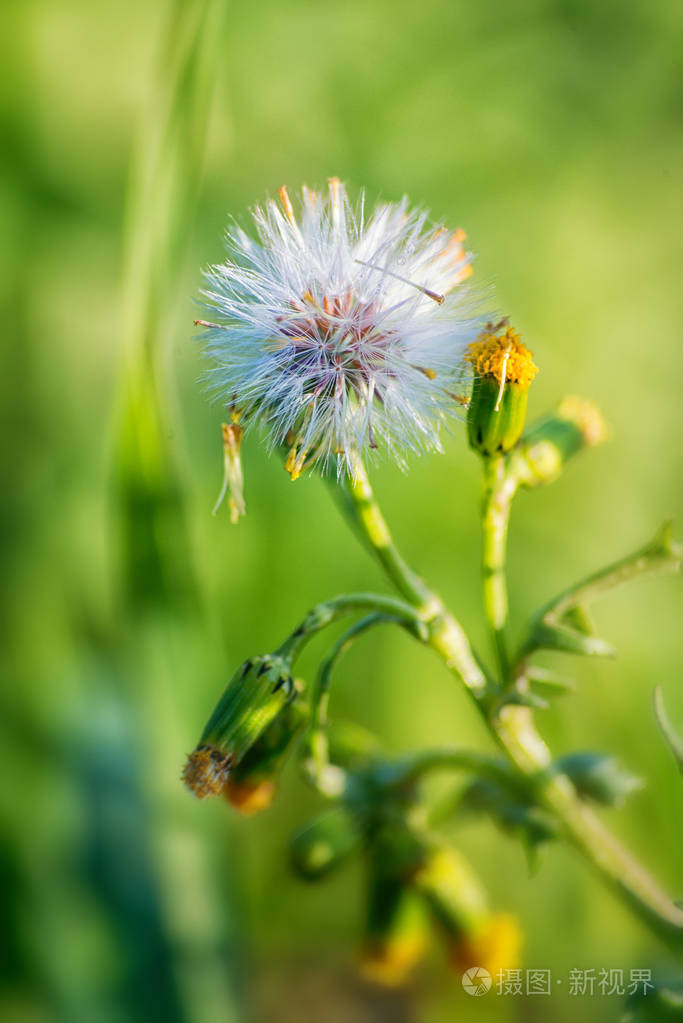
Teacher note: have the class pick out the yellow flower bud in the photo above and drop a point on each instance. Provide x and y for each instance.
(503, 371)
(396, 936)
(495, 944)
(249, 796)
(251, 784)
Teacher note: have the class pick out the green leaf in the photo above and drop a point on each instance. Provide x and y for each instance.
(548, 683)
(674, 741)
(662, 544)
(579, 619)
(561, 637)
(519, 698)
(599, 777)
(563, 623)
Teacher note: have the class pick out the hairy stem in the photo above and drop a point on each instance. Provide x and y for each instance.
(514, 730)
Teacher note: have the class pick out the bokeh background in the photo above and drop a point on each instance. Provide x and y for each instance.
(550, 130)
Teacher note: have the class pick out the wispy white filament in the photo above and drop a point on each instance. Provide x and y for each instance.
(340, 331)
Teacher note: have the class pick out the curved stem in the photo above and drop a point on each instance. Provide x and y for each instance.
(329, 611)
(413, 767)
(548, 627)
(514, 730)
(316, 740)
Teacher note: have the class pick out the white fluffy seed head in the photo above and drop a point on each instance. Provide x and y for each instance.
(340, 331)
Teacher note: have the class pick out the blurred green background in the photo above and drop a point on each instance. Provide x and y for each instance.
(551, 131)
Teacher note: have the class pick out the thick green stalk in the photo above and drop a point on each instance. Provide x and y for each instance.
(513, 729)
(516, 732)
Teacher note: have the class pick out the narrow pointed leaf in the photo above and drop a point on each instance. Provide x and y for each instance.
(516, 698)
(674, 741)
(579, 619)
(560, 637)
(599, 777)
(548, 683)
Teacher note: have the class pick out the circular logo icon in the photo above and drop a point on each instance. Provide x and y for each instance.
(476, 981)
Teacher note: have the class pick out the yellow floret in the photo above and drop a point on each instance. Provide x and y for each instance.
(495, 354)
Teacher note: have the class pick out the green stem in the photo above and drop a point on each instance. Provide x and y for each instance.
(365, 514)
(413, 767)
(499, 489)
(513, 729)
(329, 611)
(446, 635)
(317, 739)
(321, 691)
(615, 864)
(549, 627)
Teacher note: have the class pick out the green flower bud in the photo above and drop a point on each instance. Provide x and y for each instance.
(503, 369)
(550, 443)
(324, 844)
(250, 786)
(254, 698)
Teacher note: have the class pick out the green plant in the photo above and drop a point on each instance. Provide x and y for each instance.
(335, 358)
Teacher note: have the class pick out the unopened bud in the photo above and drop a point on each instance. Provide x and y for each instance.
(249, 796)
(395, 934)
(251, 785)
(259, 691)
(324, 844)
(472, 935)
(503, 371)
(451, 890)
(494, 944)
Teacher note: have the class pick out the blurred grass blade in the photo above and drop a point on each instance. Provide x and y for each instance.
(674, 741)
(157, 574)
(156, 566)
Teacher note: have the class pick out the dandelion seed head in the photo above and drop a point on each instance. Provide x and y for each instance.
(338, 330)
